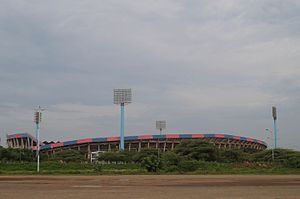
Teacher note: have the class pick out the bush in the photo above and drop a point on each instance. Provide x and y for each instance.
(117, 157)
(150, 159)
(170, 161)
(188, 165)
(233, 155)
(151, 163)
(9, 154)
(287, 158)
(69, 156)
(284, 157)
(139, 156)
(197, 150)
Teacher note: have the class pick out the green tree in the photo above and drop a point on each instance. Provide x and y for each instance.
(151, 163)
(9, 154)
(149, 159)
(233, 155)
(284, 157)
(197, 150)
(170, 161)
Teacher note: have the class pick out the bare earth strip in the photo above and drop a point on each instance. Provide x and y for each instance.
(146, 187)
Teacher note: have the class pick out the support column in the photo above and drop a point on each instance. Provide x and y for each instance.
(140, 146)
(122, 128)
(129, 146)
(89, 148)
(14, 143)
(275, 134)
(18, 143)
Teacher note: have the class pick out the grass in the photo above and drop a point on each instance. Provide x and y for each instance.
(56, 168)
(235, 169)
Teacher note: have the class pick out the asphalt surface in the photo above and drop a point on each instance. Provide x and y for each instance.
(146, 187)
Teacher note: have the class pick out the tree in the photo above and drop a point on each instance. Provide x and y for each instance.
(149, 159)
(233, 155)
(151, 163)
(197, 150)
(9, 154)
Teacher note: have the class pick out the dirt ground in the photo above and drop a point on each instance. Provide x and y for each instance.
(146, 187)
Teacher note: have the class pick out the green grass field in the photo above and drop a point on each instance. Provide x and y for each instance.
(55, 168)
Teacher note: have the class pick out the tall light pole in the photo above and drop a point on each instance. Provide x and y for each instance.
(38, 120)
(274, 114)
(122, 97)
(160, 125)
(270, 131)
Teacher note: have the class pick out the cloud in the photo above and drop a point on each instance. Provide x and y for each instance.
(211, 66)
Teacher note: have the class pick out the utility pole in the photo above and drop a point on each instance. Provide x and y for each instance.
(273, 156)
(38, 120)
(160, 125)
(274, 114)
(122, 97)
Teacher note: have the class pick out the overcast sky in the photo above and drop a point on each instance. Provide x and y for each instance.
(204, 66)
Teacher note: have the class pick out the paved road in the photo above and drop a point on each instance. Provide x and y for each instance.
(146, 187)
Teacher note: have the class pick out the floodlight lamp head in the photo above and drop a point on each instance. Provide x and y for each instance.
(38, 114)
(37, 117)
(39, 109)
(274, 113)
(122, 96)
(160, 125)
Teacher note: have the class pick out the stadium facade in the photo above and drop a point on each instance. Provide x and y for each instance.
(165, 142)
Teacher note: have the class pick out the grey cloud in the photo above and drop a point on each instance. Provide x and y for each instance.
(204, 66)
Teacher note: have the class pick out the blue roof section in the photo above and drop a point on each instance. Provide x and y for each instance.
(186, 136)
(70, 142)
(99, 139)
(209, 135)
(44, 147)
(128, 138)
(229, 136)
(159, 136)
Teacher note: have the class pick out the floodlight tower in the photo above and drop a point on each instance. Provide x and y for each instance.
(160, 125)
(274, 114)
(38, 120)
(122, 97)
(268, 130)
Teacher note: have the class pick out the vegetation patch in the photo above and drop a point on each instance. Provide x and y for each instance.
(190, 157)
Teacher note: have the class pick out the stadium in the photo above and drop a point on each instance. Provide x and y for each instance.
(166, 142)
